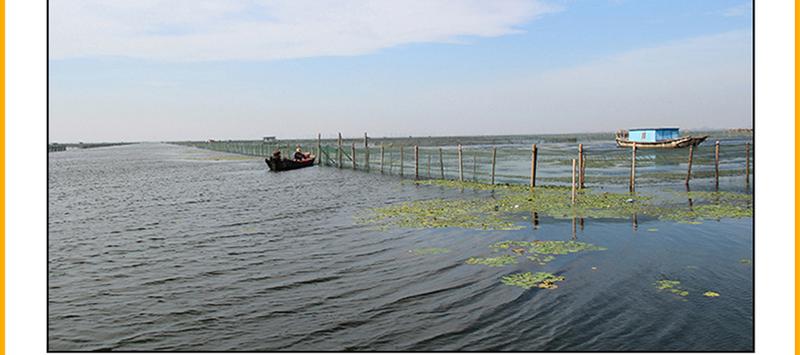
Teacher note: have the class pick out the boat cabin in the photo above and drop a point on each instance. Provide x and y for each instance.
(652, 135)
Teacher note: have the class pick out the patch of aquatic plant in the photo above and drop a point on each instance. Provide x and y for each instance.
(746, 262)
(541, 259)
(711, 294)
(493, 261)
(671, 286)
(561, 247)
(528, 280)
(429, 251)
(439, 213)
(719, 196)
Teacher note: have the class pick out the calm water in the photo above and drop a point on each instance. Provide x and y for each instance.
(156, 247)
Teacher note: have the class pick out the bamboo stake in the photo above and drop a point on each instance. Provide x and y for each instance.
(339, 153)
(580, 165)
(353, 155)
(382, 153)
(319, 148)
(534, 156)
(632, 184)
(716, 164)
(689, 169)
(583, 170)
(416, 162)
(366, 152)
(460, 165)
(747, 162)
(573, 183)
(401, 161)
(441, 163)
(494, 161)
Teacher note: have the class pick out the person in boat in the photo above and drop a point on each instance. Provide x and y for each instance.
(298, 154)
(276, 155)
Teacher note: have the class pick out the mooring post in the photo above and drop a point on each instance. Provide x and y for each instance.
(353, 154)
(339, 152)
(460, 165)
(382, 149)
(633, 168)
(580, 165)
(494, 161)
(534, 154)
(573, 183)
(689, 165)
(401, 161)
(366, 152)
(441, 163)
(716, 164)
(747, 162)
(416, 162)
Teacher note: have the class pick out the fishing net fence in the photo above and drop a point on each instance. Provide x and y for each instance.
(509, 160)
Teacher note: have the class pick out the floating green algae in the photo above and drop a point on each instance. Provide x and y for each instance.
(652, 229)
(503, 210)
(429, 251)
(541, 259)
(493, 261)
(440, 213)
(528, 280)
(745, 261)
(711, 294)
(562, 247)
(671, 286)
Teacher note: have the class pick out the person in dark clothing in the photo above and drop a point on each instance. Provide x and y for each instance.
(298, 154)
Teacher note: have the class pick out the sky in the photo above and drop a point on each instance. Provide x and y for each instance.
(160, 70)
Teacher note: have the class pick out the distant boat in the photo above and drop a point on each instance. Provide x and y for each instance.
(655, 138)
(286, 164)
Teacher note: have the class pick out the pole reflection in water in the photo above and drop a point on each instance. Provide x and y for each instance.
(635, 222)
(535, 219)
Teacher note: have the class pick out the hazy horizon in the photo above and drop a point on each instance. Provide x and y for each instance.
(172, 70)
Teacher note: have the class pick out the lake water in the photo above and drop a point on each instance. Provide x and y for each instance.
(164, 247)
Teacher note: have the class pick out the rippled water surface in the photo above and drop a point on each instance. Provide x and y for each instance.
(163, 247)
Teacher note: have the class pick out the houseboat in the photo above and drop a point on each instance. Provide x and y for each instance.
(656, 138)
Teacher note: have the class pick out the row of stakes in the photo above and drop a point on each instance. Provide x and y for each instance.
(578, 165)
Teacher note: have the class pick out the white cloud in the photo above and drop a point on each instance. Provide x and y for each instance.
(190, 30)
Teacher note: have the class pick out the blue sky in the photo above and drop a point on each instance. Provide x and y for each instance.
(177, 69)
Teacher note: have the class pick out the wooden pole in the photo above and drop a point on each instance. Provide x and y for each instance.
(580, 165)
(716, 164)
(401, 161)
(460, 165)
(366, 152)
(416, 162)
(319, 148)
(747, 162)
(573, 183)
(382, 153)
(441, 163)
(339, 153)
(353, 154)
(494, 161)
(632, 183)
(689, 168)
(583, 169)
(534, 156)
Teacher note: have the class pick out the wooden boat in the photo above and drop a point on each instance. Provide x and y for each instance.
(623, 141)
(286, 164)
